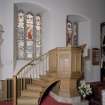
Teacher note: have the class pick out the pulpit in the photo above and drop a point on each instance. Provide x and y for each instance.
(66, 62)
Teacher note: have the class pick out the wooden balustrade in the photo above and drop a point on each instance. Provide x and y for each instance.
(30, 71)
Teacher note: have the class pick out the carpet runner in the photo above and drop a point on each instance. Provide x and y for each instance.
(47, 101)
(6, 103)
(51, 101)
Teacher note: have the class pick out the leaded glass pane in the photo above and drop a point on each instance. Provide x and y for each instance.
(38, 51)
(38, 27)
(29, 55)
(69, 32)
(20, 46)
(38, 43)
(29, 32)
(20, 54)
(29, 26)
(38, 35)
(75, 34)
(20, 33)
(29, 46)
(38, 20)
(29, 18)
(29, 49)
(20, 19)
(38, 23)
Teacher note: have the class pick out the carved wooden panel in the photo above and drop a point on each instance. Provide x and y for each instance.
(76, 63)
(66, 61)
(53, 60)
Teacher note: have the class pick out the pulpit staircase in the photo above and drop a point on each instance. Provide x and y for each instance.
(34, 78)
(34, 91)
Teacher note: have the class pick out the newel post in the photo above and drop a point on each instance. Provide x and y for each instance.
(14, 91)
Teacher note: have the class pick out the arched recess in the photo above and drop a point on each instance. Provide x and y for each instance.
(83, 31)
(34, 9)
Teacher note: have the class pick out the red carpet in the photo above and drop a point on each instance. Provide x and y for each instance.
(6, 103)
(51, 101)
(47, 101)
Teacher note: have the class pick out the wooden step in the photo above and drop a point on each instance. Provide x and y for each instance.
(48, 78)
(27, 101)
(34, 87)
(41, 83)
(51, 73)
(30, 93)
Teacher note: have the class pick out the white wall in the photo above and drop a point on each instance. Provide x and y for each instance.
(6, 19)
(55, 32)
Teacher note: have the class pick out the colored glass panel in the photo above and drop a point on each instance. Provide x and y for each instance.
(29, 49)
(29, 26)
(20, 20)
(20, 34)
(29, 32)
(20, 46)
(38, 35)
(38, 51)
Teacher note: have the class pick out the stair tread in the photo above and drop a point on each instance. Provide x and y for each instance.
(51, 73)
(47, 78)
(30, 93)
(50, 80)
(27, 100)
(39, 82)
(34, 87)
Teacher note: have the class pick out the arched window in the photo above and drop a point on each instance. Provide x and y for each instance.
(28, 35)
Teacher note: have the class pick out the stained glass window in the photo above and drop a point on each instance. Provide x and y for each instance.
(38, 33)
(28, 35)
(71, 33)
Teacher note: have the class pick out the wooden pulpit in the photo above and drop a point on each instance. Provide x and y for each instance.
(66, 62)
